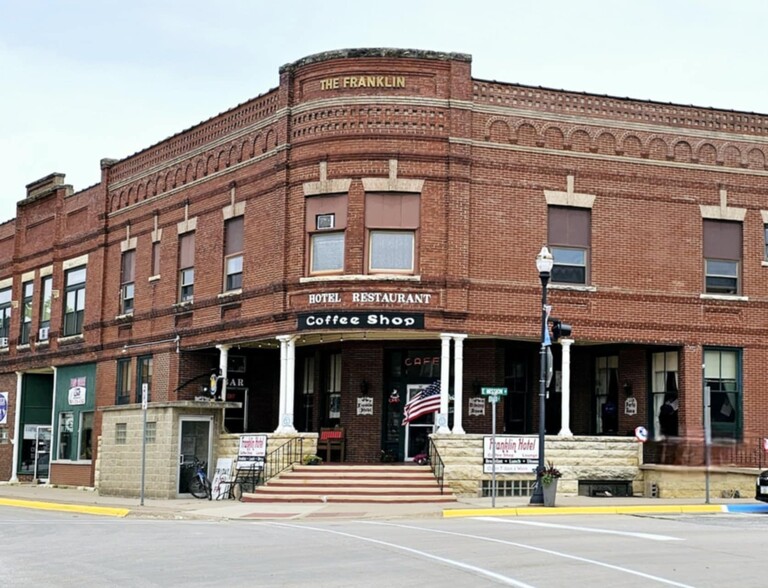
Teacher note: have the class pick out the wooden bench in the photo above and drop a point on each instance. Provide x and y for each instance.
(330, 440)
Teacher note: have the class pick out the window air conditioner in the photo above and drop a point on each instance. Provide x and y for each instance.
(42, 334)
(326, 221)
(3, 341)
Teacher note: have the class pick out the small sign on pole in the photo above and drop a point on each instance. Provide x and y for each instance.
(144, 395)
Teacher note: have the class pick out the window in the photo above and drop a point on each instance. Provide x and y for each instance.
(607, 394)
(144, 376)
(85, 448)
(66, 425)
(45, 307)
(722, 256)
(391, 251)
(5, 316)
(333, 386)
(155, 258)
(327, 252)
(326, 237)
(569, 235)
(123, 394)
(722, 378)
(765, 241)
(233, 254)
(74, 309)
(121, 433)
(151, 432)
(306, 413)
(127, 281)
(664, 387)
(186, 267)
(392, 220)
(27, 293)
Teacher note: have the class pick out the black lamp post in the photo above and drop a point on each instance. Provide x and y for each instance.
(544, 263)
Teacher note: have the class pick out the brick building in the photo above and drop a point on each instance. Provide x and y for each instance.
(369, 227)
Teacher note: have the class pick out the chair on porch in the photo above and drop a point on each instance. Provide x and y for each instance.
(331, 439)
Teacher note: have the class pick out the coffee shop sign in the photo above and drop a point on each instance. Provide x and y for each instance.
(414, 298)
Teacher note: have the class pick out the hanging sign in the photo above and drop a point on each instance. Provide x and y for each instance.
(477, 407)
(630, 406)
(365, 405)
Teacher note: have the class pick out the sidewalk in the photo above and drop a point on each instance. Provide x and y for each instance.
(88, 501)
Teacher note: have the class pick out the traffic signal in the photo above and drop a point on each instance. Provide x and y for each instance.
(560, 329)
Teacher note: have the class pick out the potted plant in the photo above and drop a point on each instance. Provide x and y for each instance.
(549, 477)
(312, 460)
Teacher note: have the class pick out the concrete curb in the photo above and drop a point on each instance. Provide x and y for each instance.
(582, 510)
(107, 511)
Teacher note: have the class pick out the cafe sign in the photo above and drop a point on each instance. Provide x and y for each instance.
(359, 320)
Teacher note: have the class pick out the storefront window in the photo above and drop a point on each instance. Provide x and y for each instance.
(66, 425)
(86, 436)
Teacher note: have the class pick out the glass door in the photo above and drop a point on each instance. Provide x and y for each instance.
(194, 442)
(42, 453)
(417, 431)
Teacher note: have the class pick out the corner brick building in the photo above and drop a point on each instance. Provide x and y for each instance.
(370, 227)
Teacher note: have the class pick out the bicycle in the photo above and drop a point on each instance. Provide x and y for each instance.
(199, 484)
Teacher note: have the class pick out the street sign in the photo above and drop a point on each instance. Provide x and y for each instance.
(493, 391)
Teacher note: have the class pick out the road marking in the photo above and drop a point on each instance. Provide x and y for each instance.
(76, 508)
(452, 562)
(651, 536)
(540, 550)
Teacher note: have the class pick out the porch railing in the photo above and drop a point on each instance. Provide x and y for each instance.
(283, 457)
(437, 465)
(692, 452)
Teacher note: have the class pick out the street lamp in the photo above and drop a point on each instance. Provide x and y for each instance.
(544, 263)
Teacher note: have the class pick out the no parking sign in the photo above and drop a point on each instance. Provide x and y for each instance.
(641, 433)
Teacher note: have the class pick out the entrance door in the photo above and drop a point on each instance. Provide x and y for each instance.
(417, 431)
(194, 442)
(42, 453)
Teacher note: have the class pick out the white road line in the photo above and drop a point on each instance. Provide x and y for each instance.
(451, 562)
(540, 550)
(650, 536)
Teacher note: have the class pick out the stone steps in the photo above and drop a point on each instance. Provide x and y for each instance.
(353, 483)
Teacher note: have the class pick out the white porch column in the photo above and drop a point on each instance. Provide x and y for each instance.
(17, 439)
(458, 383)
(223, 363)
(565, 418)
(285, 425)
(290, 379)
(445, 373)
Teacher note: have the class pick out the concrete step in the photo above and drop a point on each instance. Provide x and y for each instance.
(381, 498)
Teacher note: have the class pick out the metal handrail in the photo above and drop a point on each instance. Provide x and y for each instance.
(437, 465)
(283, 457)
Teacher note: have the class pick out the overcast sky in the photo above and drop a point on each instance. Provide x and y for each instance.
(81, 80)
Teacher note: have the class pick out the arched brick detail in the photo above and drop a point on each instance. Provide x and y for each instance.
(162, 183)
(731, 155)
(210, 164)
(130, 198)
(683, 152)
(151, 191)
(631, 145)
(605, 143)
(658, 148)
(706, 153)
(256, 145)
(221, 161)
(199, 168)
(141, 192)
(270, 140)
(756, 159)
(178, 179)
(554, 138)
(246, 150)
(579, 139)
(114, 202)
(497, 131)
(189, 173)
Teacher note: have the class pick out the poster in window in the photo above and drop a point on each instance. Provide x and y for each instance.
(334, 406)
(76, 395)
(3, 408)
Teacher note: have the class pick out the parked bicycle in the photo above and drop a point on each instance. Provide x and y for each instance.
(199, 484)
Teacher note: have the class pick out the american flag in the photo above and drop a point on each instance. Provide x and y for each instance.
(426, 401)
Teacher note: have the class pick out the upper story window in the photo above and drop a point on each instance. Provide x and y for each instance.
(27, 293)
(46, 297)
(569, 236)
(155, 258)
(233, 254)
(127, 281)
(5, 316)
(326, 222)
(186, 267)
(765, 242)
(722, 376)
(392, 222)
(74, 309)
(722, 256)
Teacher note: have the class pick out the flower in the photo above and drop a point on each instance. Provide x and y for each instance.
(312, 460)
(549, 474)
